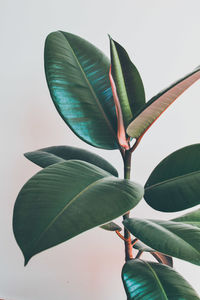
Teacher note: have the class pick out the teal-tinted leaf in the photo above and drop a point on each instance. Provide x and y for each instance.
(159, 103)
(160, 257)
(65, 199)
(145, 280)
(77, 77)
(192, 218)
(128, 82)
(174, 184)
(172, 238)
(51, 155)
(111, 226)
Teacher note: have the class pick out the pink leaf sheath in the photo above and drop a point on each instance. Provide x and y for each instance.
(121, 134)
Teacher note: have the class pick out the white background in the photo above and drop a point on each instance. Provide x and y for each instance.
(163, 40)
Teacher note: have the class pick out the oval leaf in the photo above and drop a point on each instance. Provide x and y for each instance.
(77, 77)
(174, 184)
(130, 89)
(149, 280)
(192, 218)
(159, 103)
(171, 238)
(51, 155)
(65, 199)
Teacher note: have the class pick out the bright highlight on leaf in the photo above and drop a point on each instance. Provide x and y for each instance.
(159, 103)
(66, 199)
(77, 77)
(172, 238)
(145, 280)
(174, 184)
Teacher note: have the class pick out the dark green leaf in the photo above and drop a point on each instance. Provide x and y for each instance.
(174, 184)
(192, 218)
(77, 77)
(172, 238)
(111, 227)
(160, 257)
(145, 280)
(65, 199)
(159, 103)
(51, 155)
(128, 82)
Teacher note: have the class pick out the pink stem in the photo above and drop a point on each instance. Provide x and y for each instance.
(120, 123)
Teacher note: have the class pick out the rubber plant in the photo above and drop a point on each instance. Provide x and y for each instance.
(104, 104)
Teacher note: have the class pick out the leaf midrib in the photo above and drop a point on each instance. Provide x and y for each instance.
(157, 280)
(64, 208)
(171, 179)
(92, 90)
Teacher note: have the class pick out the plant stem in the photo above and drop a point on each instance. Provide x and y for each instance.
(127, 172)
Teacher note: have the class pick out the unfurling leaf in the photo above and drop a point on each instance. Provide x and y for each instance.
(128, 82)
(121, 133)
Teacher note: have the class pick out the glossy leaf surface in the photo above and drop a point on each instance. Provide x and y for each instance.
(174, 184)
(128, 82)
(192, 218)
(77, 77)
(66, 199)
(159, 103)
(160, 257)
(145, 280)
(172, 238)
(51, 155)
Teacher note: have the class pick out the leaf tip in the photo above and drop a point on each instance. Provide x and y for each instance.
(26, 260)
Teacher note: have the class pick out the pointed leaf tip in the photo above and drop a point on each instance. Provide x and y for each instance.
(157, 105)
(128, 82)
(69, 204)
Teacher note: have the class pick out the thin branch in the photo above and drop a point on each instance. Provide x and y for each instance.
(140, 252)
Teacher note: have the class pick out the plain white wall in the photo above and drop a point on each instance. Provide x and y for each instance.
(162, 38)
